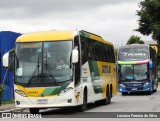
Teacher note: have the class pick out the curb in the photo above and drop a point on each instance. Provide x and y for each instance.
(14, 110)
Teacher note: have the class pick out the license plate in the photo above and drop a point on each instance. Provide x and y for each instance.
(134, 88)
(42, 101)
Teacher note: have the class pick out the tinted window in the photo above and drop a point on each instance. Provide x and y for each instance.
(84, 48)
(96, 51)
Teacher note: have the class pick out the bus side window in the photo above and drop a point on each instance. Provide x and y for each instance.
(84, 50)
(90, 49)
(78, 64)
(152, 53)
(99, 53)
(102, 52)
(112, 54)
(96, 50)
(106, 53)
(153, 57)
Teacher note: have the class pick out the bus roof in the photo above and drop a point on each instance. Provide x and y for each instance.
(46, 36)
(94, 37)
(56, 35)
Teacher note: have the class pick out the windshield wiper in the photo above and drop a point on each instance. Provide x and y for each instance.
(51, 77)
(34, 72)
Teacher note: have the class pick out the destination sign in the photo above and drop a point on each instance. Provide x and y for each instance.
(31, 46)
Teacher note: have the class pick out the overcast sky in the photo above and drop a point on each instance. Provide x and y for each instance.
(114, 20)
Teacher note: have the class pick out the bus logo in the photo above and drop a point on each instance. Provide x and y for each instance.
(85, 70)
(32, 92)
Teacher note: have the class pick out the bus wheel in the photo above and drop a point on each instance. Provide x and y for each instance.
(149, 92)
(83, 107)
(155, 90)
(124, 93)
(34, 110)
(107, 100)
(109, 97)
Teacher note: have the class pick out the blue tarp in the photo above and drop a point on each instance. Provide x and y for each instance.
(7, 42)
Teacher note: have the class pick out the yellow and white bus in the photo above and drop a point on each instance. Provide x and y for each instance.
(62, 69)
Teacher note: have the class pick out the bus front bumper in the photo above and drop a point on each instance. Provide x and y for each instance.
(66, 100)
(142, 88)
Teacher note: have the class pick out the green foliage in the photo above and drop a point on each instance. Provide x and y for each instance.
(1, 88)
(8, 102)
(134, 40)
(149, 22)
(1, 92)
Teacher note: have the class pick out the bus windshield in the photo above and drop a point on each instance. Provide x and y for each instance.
(133, 72)
(43, 63)
(133, 54)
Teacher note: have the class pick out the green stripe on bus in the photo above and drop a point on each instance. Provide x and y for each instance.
(122, 62)
(48, 91)
(84, 34)
(54, 90)
(95, 76)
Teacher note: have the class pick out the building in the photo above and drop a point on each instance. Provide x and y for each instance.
(7, 42)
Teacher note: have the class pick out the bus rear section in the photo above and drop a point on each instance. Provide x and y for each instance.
(137, 70)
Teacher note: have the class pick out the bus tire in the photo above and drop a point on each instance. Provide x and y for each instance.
(124, 93)
(109, 97)
(155, 90)
(83, 107)
(110, 94)
(107, 100)
(149, 92)
(34, 110)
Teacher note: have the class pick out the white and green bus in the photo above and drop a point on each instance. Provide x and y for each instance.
(62, 69)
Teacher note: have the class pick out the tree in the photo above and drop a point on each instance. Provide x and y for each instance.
(1, 93)
(134, 40)
(149, 22)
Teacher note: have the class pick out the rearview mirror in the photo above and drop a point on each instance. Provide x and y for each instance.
(5, 60)
(75, 55)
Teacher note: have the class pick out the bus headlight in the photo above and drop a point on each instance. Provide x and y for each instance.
(122, 85)
(65, 91)
(146, 84)
(20, 92)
